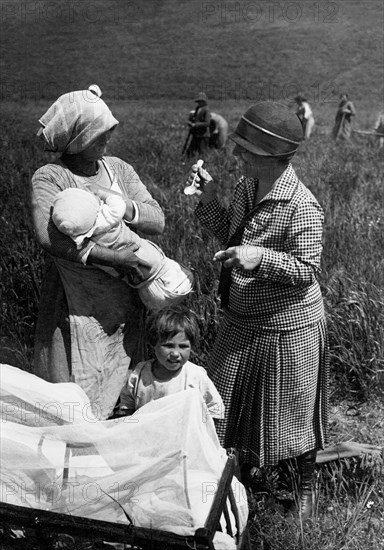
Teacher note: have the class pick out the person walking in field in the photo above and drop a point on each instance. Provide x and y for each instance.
(270, 359)
(304, 112)
(218, 131)
(88, 325)
(199, 125)
(344, 117)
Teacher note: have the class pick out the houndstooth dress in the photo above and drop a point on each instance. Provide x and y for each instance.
(270, 359)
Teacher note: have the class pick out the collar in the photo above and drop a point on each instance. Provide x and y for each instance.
(284, 187)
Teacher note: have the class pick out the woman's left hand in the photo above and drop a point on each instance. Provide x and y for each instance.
(100, 192)
(247, 257)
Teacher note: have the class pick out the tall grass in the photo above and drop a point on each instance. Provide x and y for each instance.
(347, 180)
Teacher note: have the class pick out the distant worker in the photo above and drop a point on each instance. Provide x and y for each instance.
(304, 112)
(218, 132)
(199, 123)
(343, 121)
(379, 128)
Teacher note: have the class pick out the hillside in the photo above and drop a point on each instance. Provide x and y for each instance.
(150, 58)
(169, 49)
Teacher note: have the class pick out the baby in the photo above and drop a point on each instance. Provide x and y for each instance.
(82, 215)
(171, 333)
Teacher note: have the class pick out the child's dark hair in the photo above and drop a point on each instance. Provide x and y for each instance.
(168, 322)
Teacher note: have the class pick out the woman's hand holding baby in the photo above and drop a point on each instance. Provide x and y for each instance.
(104, 193)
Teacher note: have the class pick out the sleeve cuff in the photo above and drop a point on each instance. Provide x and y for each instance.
(135, 219)
(202, 210)
(84, 256)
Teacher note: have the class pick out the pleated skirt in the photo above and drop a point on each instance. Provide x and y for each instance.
(274, 385)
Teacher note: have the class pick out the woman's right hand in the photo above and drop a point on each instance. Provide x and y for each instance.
(123, 258)
(104, 193)
(205, 186)
(100, 192)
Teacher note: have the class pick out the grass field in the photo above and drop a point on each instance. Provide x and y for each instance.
(150, 59)
(170, 49)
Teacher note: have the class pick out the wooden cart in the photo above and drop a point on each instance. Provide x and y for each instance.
(46, 524)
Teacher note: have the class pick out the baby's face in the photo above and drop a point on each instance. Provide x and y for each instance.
(174, 352)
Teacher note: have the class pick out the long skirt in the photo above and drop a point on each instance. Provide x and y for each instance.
(343, 126)
(274, 385)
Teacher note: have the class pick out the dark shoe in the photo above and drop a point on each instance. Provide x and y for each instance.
(306, 464)
(247, 472)
(305, 506)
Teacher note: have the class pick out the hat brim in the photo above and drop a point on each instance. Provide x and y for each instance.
(249, 146)
(254, 148)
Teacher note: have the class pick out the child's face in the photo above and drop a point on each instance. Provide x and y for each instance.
(174, 352)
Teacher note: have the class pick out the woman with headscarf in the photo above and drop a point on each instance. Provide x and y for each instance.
(270, 359)
(88, 325)
(343, 122)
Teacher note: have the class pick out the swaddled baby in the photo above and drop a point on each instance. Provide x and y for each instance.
(82, 215)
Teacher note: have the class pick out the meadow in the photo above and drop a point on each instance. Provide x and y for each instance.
(347, 180)
(150, 59)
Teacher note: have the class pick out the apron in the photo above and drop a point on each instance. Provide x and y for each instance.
(89, 328)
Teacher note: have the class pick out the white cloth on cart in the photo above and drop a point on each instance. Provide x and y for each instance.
(160, 466)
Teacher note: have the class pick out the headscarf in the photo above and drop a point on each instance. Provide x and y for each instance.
(75, 120)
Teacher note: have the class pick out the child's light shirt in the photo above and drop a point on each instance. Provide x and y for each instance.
(143, 387)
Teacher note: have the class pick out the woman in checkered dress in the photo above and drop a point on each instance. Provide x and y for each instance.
(270, 359)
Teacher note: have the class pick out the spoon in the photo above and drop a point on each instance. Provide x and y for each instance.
(191, 189)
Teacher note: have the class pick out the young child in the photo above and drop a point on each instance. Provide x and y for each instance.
(98, 216)
(171, 333)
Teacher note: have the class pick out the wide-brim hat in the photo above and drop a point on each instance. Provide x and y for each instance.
(270, 129)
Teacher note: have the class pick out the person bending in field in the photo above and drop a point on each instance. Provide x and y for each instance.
(98, 215)
(171, 333)
(199, 123)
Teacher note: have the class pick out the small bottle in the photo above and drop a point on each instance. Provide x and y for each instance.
(191, 189)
